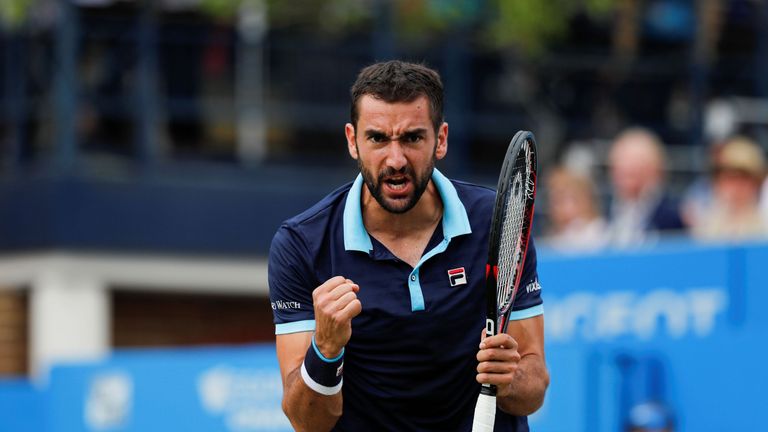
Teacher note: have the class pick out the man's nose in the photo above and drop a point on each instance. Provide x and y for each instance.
(395, 156)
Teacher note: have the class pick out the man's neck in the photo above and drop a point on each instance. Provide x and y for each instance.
(423, 216)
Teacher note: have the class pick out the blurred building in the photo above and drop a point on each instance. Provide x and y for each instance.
(150, 149)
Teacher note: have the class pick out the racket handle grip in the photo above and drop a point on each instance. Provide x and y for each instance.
(485, 413)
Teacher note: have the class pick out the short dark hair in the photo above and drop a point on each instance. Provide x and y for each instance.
(399, 81)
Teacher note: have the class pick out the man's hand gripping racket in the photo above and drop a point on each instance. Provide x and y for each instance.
(509, 236)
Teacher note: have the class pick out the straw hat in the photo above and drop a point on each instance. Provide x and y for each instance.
(743, 155)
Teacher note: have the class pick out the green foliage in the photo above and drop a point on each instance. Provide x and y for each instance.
(528, 25)
(220, 9)
(13, 13)
(327, 16)
(532, 25)
(599, 8)
(412, 19)
(340, 16)
(419, 17)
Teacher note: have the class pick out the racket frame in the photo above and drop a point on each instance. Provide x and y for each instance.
(496, 320)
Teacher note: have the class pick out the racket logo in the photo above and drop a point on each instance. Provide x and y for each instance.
(457, 276)
(530, 184)
(490, 327)
(517, 186)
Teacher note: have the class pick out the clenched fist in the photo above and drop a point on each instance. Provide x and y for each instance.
(336, 303)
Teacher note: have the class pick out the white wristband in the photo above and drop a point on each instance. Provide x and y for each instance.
(323, 390)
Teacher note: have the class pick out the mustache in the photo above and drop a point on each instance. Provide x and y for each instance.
(389, 172)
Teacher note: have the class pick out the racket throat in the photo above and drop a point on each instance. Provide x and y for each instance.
(503, 322)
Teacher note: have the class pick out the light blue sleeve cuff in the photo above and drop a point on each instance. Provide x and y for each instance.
(324, 358)
(526, 313)
(295, 327)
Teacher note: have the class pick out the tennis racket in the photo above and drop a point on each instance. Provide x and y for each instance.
(510, 231)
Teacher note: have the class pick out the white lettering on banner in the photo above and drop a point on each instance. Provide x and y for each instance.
(613, 315)
(249, 399)
(704, 308)
(109, 400)
(603, 317)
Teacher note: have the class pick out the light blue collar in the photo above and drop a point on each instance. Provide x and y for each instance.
(455, 220)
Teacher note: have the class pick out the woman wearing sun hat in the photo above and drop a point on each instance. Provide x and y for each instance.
(737, 174)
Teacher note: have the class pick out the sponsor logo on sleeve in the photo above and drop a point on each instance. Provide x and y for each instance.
(533, 286)
(282, 305)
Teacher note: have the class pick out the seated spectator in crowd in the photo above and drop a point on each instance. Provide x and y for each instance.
(697, 198)
(640, 208)
(764, 200)
(738, 171)
(574, 215)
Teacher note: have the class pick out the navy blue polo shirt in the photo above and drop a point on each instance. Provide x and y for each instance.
(410, 364)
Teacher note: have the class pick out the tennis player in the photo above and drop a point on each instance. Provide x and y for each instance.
(378, 289)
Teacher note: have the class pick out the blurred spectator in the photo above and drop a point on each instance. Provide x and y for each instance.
(640, 208)
(764, 200)
(738, 170)
(697, 199)
(575, 221)
(650, 417)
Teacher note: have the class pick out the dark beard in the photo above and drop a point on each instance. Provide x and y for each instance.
(374, 185)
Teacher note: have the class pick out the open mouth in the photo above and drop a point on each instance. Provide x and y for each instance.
(397, 186)
(397, 183)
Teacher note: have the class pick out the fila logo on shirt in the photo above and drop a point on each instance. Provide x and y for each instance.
(457, 276)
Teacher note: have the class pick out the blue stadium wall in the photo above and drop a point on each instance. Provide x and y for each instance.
(680, 324)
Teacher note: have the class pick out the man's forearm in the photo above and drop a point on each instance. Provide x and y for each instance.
(528, 387)
(308, 410)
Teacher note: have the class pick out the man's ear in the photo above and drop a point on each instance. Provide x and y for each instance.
(349, 132)
(442, 141)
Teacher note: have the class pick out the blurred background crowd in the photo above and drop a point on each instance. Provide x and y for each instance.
(149, 149)
(650, 114)
(723, 203)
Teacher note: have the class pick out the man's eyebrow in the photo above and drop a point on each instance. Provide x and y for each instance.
(372, 132)
(414, 131)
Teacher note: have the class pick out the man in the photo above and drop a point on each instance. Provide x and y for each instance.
(378, 288)
(640, 209)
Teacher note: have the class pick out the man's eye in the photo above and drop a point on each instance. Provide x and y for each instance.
(378, 138)
(412, 138)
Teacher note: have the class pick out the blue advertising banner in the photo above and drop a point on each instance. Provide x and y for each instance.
(216, 389)
(21, 406)
(679, 326)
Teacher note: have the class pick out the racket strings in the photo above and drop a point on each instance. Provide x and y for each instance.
(511, 243)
